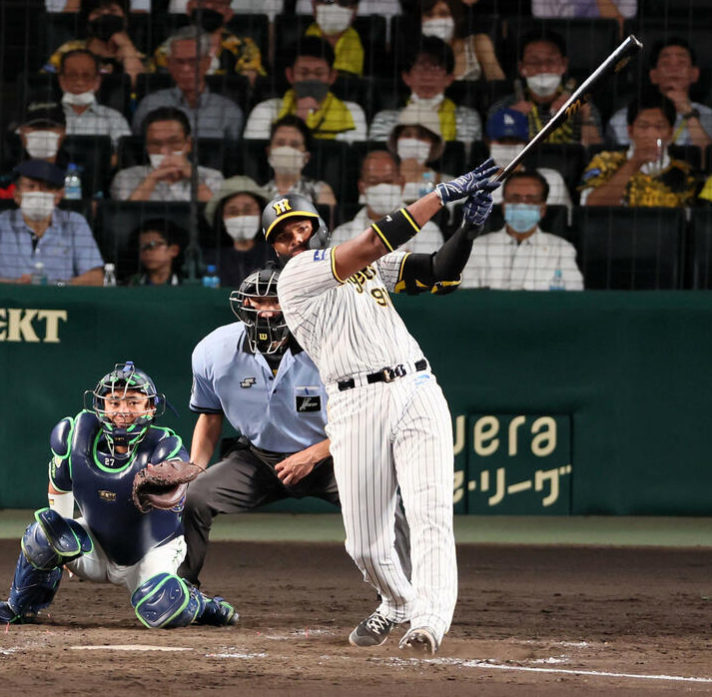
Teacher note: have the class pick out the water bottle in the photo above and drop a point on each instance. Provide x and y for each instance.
(109, 275)
(39, 278)
(211, 279)
(72, 184)
(427, 183)
(557, 282)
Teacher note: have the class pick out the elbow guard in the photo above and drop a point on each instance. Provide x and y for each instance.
(61, 438)
(396, 229)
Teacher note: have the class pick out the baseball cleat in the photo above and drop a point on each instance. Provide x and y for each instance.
(218, 613)
(420, 640)
(373, 631)
(7, 614)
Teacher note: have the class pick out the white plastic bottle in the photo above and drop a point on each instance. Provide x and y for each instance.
(39, 278)
(109, 275)
(557, 281)
(72, 184)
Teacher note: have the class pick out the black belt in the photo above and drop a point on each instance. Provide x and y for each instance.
(385, 375)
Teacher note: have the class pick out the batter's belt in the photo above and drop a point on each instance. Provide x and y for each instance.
(384, 375)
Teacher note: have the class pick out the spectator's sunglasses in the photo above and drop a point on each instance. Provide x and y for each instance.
(153, 244)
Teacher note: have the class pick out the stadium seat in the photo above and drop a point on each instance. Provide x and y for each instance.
(116, 221)
(630, 248)
(452, 161)
(701, 243)
(132, 152)
(256, 26)
(92, 155)
(567, 158)
(697, 11)
(479, 94)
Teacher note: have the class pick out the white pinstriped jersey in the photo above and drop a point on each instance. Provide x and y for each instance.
(347, 328)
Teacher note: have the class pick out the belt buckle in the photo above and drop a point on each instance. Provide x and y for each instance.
(390, 374)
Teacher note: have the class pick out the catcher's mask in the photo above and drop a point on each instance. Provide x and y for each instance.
(266, 335)
(288, 207)
(117, 384)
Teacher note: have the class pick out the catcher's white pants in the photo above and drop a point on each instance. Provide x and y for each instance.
(97, 567)
(385, 436)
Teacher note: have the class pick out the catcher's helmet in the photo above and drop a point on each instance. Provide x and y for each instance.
(265, 335)
(283, 208)
(125, 378)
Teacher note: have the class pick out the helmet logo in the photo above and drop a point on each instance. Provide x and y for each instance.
(281, 206)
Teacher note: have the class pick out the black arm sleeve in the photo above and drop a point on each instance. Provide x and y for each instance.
(440, 272)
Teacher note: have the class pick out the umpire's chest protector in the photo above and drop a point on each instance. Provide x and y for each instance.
(103, 493)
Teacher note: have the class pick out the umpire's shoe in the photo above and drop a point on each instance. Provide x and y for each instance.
(420, 640)
(373, 631)
(218, 613)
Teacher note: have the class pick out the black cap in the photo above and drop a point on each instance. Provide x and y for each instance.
(45, 112)
(41, 170)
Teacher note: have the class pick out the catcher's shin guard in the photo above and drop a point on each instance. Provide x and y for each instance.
(32, 589)
(166, 601)
(53, 540)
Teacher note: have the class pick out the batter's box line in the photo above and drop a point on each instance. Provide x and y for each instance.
(556, 671)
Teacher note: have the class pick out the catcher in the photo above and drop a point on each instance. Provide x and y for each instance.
(128, 478)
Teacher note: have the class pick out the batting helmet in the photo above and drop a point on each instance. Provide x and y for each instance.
(283, 208)
(265, 335)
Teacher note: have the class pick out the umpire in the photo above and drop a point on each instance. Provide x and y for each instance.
(254, 373)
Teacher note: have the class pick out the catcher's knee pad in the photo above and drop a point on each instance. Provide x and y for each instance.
(166, 600)
(54, 540)
(32, 589)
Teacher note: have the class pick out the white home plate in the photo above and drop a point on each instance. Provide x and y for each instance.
(129, 647)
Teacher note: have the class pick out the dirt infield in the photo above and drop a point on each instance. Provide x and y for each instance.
(530, 621)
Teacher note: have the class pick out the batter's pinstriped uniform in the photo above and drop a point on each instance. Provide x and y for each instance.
(383, 435)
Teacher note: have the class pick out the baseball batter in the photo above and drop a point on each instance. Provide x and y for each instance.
(121, 537)
(389, 424)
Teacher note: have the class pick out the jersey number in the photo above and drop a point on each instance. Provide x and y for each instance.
(380, 296)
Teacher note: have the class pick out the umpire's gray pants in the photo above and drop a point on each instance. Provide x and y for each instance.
(245, 480)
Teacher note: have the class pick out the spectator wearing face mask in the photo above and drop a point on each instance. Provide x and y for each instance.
(417, 140)
(41, 131)
(507, 134)
(80, 79)
(474, 55)
(188, 62)
(228, 53)
(384, 8)
(288, 153)
(168, 176)
(543, 63)
(235, 217)
(268, 7)
(310, 98)
(159, 253)
(40, 233)
(521, 256)
(428, 73)
(333, 23)
(106, 25)
(380, 185)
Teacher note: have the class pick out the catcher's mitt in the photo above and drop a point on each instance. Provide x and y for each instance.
(163, 485)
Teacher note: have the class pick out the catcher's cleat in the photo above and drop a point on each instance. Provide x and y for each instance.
(373, 631)
(420, 640)
(7, 614)
(219, 613)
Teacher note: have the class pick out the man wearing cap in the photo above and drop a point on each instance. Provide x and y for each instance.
(429, 72)
(507, 134)
(237, 244)
(40, 233)
(168, 142)
(381, 187)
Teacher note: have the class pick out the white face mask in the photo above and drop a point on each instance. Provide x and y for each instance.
(443, 28)
(333, 19)
(413, 149)
(503, 154)
(383, 198)
(544, 84)
(42, 144)
(82, 99)
(157, 160)
(37, 205)
(286, 160)
(242, 227)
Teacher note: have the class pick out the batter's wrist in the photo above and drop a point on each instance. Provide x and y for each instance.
(396, 229)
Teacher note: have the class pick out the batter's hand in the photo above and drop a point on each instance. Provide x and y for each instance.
(463, 186)
(478, 207)
(294, 468)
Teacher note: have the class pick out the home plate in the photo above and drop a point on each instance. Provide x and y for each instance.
(129, 647)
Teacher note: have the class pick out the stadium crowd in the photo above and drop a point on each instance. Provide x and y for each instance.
(136, 114)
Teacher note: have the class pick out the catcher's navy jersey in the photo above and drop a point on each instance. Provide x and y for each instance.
(283, 413)
(102, 486)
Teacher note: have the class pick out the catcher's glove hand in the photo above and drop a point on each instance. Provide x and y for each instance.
(163, 485)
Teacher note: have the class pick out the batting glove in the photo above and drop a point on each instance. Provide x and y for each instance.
(462, 187)
(477, 208)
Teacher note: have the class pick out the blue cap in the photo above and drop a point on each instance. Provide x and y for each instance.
(41, 170)
(508, 123)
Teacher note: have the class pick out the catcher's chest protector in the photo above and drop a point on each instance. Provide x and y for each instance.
(102, 491)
